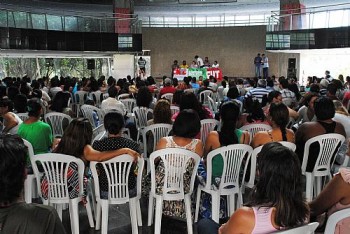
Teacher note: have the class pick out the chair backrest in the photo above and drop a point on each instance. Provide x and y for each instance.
(23, 116)
(254, 128)
(328, 145)
(156, 131)
(189, 90)
(97, 96)
(123, 96)
(207, 125)
(142, 115)
(80, 97)
(203, 96)
(175, 161)
(105, 96)
(334, 218)
(88, 112)
(212, 105)
(58, 122)
(117, 171)
(168, 96)
(240, 105)
(30, 148)
(129, 104)
(100, 128)
(289, 145)
(174, 109)
(235, 158)
(305, 229)
(57, 167)
(254, 156)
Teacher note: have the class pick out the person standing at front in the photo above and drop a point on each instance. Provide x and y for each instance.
(257, 63)
(265, 64)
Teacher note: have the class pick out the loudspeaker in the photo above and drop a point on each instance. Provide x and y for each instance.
(49, 62)
(91, 64)
(292, 63)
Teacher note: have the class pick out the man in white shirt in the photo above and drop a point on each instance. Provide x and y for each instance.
(215, 64)
(265, 64)
(199, 60)
(112, 103)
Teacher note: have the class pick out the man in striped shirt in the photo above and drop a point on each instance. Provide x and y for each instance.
(259, 92)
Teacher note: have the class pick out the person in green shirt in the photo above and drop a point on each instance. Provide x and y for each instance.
(38, 133)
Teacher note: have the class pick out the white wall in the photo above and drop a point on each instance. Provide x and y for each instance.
(123, 65)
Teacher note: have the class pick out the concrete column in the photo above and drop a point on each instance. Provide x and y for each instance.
(122, 10)
(292, 22)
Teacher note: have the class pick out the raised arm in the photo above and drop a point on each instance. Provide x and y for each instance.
(93, 155)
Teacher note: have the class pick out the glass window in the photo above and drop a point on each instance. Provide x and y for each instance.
(70, 23)
(3, 18)
(170, 22)
(20, 19)
(185, 21)
(38, 21)
(157, 21)
(54, 22)
(124, 41)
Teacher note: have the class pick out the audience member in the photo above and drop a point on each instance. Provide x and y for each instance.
(258, 92)
(16, 216)
(279, 118)
(168, 88)
(10, 121)
(112, 103)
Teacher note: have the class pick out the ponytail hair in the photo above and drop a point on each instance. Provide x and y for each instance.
(229, 113)
(280, 116)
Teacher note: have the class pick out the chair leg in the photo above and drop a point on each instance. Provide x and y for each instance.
(197, 203)
(215, 207)
(89, 213)
(58, 208)
(98, 216)
(188, 214)
(231, 204)
(28, 190)
(309, 187)
(150, 210)
(158, 216)
(74, 215)
(133, 203)
(105, 207)
(139, 213)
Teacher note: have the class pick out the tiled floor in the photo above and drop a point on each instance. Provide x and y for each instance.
(119, 222)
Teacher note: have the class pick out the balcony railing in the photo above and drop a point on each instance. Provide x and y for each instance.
(331, 16)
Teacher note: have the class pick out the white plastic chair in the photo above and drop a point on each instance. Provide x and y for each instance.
(254, 128)
(88, 112)
(240, 105)
(175, 163)
(58, 122)
(23, 116)
(168, 96)
(100, 128)
(212, 105)
(156, 131)
(56, 167)
(203, 96)
(142, 115)
(129, 104)
(123, 96)
(231, 183)
(29, 183)
(334, 218)
(174, 109)
(105, 96)
(207, 125)
(305, 229)
(79, 100)
(253, 161)
(117, 172)
(97, 96)
(328, 146)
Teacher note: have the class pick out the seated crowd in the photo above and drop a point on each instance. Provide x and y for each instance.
(284, 113)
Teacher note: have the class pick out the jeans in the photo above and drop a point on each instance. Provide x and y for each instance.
(207, 226)
(265, 72)
(257, 71)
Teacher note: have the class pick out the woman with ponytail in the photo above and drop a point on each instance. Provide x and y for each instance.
(228, 135)
(279, 118)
